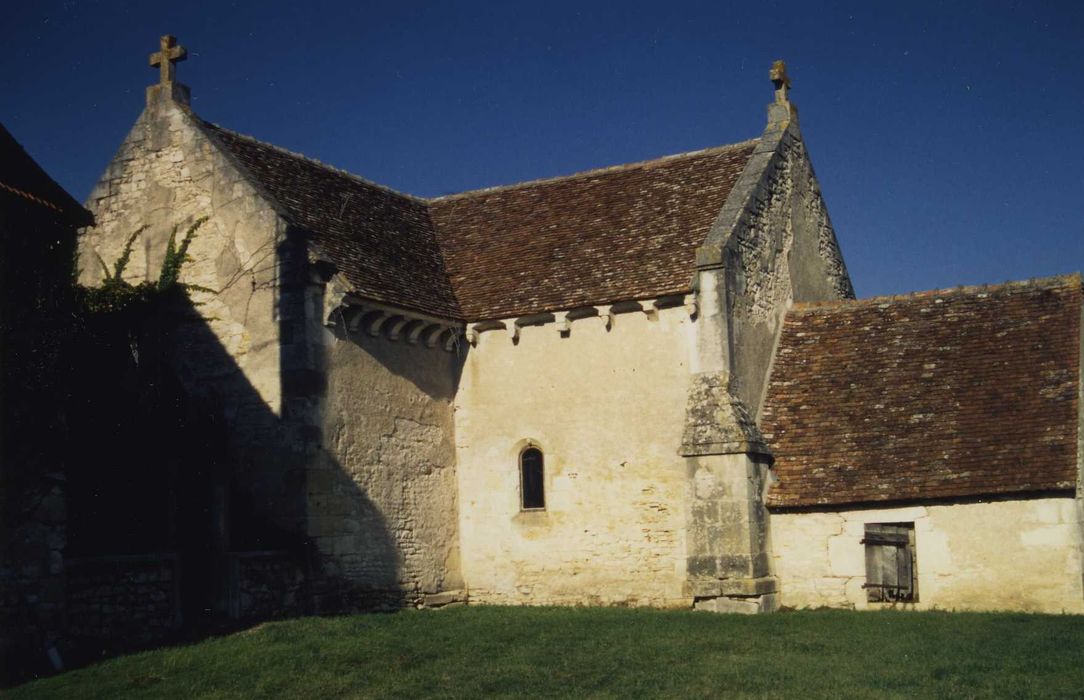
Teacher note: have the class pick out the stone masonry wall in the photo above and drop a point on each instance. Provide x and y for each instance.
(31, 570)
(771, 243)
(36, 339)
(1003, 555)
(266, 585)
(784, 250)
(606, 407)
(166, 174)
(388, 508)
(128, 600)
(345, 442)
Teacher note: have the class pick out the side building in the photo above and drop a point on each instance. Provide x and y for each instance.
(928, 450)
(38, 222)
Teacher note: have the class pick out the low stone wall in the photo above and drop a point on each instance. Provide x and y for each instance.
(31, 573)
(131, 599)
(265, 584)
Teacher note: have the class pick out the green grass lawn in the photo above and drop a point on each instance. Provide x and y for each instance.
(606, 652)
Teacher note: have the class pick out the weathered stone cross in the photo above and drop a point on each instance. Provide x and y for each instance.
(779, 76)
(169, 54)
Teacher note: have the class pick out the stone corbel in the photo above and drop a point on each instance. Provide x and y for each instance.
(564, 325)
(416, 332)
(474, 331)
(606, 313)
(376, 320)
(395, 326)
(452, 341)
(432, 335)
(691, 305)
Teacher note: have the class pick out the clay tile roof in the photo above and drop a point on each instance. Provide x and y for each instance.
(382, 241)
(946, 394)
(627, 232)
(21, 177)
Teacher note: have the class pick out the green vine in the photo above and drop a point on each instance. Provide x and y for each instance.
(116, 294)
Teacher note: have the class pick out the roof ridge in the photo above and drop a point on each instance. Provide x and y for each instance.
(592, 172)
(1049, 282)
(317, 163)
(484, 190)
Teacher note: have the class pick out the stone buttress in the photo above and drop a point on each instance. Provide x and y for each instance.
(771, 244)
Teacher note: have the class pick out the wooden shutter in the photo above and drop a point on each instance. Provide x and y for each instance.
(889, 562)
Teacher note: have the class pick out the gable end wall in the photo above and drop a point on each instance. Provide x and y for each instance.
(344, 443)
(780, 248)
(165, 175)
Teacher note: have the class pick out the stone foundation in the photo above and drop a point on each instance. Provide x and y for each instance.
(265, 585)
(131, 600)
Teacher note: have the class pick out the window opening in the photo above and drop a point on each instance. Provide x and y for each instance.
(531, 478)
(890, 563)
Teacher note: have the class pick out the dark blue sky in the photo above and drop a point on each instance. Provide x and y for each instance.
(948, 137)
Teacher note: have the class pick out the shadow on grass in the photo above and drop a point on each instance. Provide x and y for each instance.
(606, 652)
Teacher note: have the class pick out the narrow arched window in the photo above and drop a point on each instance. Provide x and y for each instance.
(531, 479)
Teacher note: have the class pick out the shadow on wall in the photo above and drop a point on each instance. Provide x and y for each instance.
(36, 248)
(193, 506)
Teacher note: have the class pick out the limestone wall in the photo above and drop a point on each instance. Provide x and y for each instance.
(1003, 555)
(228, 352)
(339, 449)
(125, 601)
(784, 249)
(606, 407)
(386, 509)
(265, 585)
(167, 174)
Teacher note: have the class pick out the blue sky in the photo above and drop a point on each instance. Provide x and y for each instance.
(948, 137)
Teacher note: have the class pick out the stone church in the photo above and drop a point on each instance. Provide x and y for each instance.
(647, 384)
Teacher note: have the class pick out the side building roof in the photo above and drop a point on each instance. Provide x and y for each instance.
(938, 395)
(24, 180)
(626, 232)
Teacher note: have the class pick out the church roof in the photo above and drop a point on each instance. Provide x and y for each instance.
(943, 394)
(627, 232)
(23, 179)
(382, 241)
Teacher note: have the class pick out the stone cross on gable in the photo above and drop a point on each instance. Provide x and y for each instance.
(781, 80)
(164, 59)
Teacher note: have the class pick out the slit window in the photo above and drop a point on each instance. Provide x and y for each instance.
(531, 479)
(890, 563)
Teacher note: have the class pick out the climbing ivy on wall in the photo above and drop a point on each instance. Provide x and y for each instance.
(116, 294)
